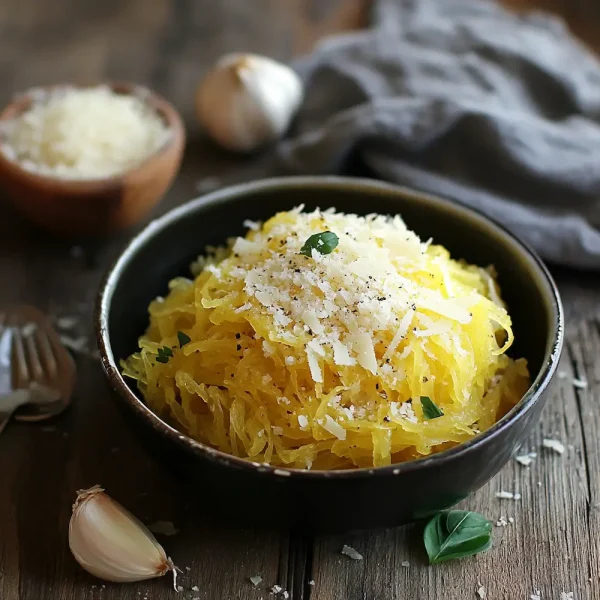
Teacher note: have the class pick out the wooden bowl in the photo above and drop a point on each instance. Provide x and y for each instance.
(94, 206)
(330, 500)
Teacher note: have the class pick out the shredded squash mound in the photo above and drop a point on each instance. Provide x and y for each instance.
(323, 361)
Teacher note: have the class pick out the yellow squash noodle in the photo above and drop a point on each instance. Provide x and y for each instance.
(287, 350)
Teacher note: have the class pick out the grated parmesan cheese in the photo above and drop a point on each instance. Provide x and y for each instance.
(508, 495)
(253, 225)
(554, 445)
(526, 459)
(163, 528)
(334, 428)
(350, 552)
(83, 133)
(580, 383)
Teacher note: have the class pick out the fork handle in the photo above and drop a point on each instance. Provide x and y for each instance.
(10, 403)
(5, 418)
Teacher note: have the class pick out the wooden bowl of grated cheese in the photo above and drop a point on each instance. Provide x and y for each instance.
(88, 160)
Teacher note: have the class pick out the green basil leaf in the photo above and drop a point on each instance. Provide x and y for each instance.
(324, 243)
(456, 534)
(430, 409)
(183, 339)
(164, 354)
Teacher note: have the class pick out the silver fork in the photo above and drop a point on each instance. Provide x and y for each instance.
(36, 372)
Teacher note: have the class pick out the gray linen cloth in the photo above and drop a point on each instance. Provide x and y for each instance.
(463, 99)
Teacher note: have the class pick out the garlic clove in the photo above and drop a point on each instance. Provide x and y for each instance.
(247, 100)
(110, 543)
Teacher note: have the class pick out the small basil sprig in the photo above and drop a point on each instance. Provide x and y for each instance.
(164, 354)
(183, 339)
(456, 534)
(430, 409)
(324, 243)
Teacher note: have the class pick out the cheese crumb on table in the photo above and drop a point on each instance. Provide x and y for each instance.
(66, 322)
(526, 459)
(255, 580)
(555, 445)
(481, 592)
(580, 384)
(537, 595)
(566, 596)
(83, 133)
(350, 552)
(163, 528)
(508, 495)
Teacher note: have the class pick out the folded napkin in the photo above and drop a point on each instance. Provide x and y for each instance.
(463, 99)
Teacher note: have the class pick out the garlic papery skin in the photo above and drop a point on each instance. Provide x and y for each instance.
(247, 100)
(110, 543)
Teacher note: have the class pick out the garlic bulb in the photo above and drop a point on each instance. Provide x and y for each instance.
(110, 543)
(247, 100)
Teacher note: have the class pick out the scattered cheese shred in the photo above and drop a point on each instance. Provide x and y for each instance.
(83, 133)
(554, 445)
(580, 384)
(315, 361)
(508, 495)
(350, 552)
(334, 428)
(163, 528)
(526, 459)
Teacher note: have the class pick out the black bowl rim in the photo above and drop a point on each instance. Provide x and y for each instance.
(552, 354)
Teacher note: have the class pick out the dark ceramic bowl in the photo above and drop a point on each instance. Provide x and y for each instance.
(332, 500)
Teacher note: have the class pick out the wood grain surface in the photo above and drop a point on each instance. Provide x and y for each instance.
(552, 546)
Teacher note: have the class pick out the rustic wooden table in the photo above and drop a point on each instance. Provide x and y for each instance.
(552, 545)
